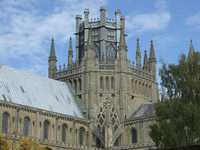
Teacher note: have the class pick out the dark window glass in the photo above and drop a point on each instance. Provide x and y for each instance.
(64, 133)
(5, 122)
(133, 135)
(26, 126)
(46, 129)
(81, 135)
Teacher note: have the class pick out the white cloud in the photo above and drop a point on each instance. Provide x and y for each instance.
(156, 20)
(148, 22)
(194, 21)
(25, 30)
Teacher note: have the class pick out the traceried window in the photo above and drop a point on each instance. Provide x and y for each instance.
(133, 135)
(81, 136)
(26, 127)
(64, 133)
(46, 129)
(5, 122)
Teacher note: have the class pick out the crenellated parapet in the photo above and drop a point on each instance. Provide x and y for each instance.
(102, 71)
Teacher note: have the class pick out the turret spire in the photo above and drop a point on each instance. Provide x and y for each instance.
(70, 53)
(52, 68)
(52, 50)
(152, 51)
(152, 60)
(145, 64)
(138, 54)
(191, 49)
(122, 42)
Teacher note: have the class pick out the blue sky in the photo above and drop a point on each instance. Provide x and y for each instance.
(26, 27)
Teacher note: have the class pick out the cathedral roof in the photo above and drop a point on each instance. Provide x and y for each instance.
(144, 111)
(28, 89)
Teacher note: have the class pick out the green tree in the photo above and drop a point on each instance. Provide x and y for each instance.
(3, 144)
(178, 114)
(28, 144)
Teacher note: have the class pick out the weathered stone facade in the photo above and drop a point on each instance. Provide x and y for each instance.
(115, 96)
(108, 87)
(37, 117)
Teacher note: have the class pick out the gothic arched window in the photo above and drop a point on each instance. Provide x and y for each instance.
(133, 135)
(26, 128)
(70, 82)
(81, 136)
(101, 83)
(80, 84)
(112, 83)
(107, 83)
(46, 129)
(5, 122)
(75, 86)
(64, 133)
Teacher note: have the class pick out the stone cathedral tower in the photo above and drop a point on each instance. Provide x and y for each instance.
(108, 87)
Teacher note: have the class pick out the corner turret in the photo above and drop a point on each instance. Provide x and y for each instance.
(191, 50)
(138, 54)
(152, 60)
(52, 68)
(145, 63)
(70, 53)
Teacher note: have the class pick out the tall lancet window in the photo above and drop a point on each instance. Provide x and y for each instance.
(26, 128)
(133, 135)
(112, 83)
(101, 83)
(107, 83)
(5, 122)
(81, 136)
(46, 129)
(64, 133)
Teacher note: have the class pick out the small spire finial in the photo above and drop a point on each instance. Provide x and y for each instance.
(70, 42)
(138, 44)
(52, 50)
(152, 60)
(52, 68)
(145, 64)
(191, 49)
(152, 51)
(122, 42)
(70, 53)
(138, 53)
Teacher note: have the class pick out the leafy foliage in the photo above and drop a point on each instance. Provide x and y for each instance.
(3, 144)
(178, 115)
(27, 144)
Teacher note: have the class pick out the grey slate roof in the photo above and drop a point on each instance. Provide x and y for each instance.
(24, 88)
(144, 111)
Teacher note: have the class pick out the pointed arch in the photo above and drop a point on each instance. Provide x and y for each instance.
(64, 133)
(26, 127)
(5, 122)
(75, 85)
(107, 83)
(80, 84)
(112, 82)
(133, 135)
(106, 115)
(46, 130)
(101, 83)
(82, 136)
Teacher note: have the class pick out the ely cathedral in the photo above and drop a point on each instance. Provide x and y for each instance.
(99, 100)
